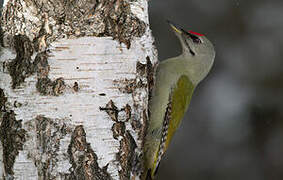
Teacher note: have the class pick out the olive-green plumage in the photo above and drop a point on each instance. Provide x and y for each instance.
(181, 97)
(176, 79)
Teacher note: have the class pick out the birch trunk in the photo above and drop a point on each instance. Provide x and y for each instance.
(75, 78)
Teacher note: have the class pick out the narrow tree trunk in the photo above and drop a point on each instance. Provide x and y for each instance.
(75, 78)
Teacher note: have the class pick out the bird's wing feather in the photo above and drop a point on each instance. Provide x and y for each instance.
(179, 100)
(181, 97)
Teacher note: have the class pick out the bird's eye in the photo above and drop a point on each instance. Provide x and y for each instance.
(195, 38)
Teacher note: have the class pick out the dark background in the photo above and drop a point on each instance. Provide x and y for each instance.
(234, 127)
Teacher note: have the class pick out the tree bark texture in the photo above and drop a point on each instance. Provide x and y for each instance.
(75, 79)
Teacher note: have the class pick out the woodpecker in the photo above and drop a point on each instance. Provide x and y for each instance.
(176, 79)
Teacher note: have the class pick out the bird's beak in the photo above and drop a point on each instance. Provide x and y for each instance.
(175, 27)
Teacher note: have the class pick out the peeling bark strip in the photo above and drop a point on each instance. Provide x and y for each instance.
(55, 19)
(83, 159)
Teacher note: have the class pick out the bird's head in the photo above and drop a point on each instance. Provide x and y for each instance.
(193, 44)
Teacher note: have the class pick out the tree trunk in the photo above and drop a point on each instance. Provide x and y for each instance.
(75, 79)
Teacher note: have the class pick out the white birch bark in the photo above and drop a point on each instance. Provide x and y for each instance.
(74, 105)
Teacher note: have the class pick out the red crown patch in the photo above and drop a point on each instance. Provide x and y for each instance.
(195, 33)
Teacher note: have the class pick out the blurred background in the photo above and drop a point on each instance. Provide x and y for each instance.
(234, 127)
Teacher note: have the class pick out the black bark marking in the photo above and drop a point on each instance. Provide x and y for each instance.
(21, 67)
(40, 40)
(145, 81)
(49, 133)
(3, 100)
(17, 104)
(129, 85)
(118, 129)
(147, 70)
(150, 71)
(126, 85)
(128, 111)
(1, 37)
(136, 125)
(111, 110)
(13, 137)
(143, 129)
(76, 87)
(126, 155)
(44, 85)
(47, 87)
(128, 158)
(83, 159)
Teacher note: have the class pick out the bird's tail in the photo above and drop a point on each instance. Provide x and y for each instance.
(148, 175)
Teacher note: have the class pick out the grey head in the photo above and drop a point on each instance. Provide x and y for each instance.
(193, 44)
(197, 50)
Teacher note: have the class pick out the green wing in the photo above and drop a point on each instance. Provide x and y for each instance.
(178, 102)
(180, 99)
